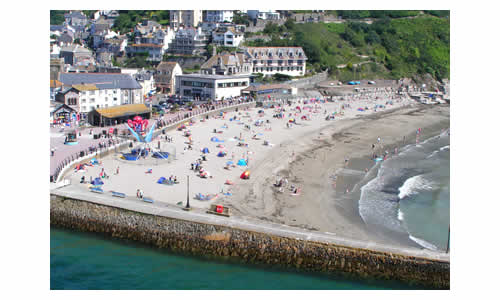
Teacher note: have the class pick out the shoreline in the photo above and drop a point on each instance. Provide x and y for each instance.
(333, 210)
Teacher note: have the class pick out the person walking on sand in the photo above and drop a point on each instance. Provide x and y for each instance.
(117, 170)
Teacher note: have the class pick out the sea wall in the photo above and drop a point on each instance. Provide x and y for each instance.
(246, 246)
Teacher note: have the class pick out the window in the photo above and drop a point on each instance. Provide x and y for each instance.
(114, 99)
(83, 101)
(84, 108)
(106, 99)
(92, 100)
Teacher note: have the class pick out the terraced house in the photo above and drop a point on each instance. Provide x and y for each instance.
(271, 60)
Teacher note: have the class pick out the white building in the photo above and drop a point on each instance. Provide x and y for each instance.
(271, 60)
(86, 91)
(227, 36)
(263, 14)
(188, 18)
(211, 87)
(219, 16)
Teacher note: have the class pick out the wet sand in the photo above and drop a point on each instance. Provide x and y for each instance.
(325, 204)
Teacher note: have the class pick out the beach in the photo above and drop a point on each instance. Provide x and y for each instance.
(329, 196)
(309, 154)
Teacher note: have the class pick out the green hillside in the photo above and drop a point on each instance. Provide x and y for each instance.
(387, 48)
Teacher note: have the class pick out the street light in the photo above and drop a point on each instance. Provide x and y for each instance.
(187, 203)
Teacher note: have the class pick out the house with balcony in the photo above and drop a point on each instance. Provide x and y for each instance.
(189, 41)
(218, 16)
(227, 36)
(272, 60)
(150, 37)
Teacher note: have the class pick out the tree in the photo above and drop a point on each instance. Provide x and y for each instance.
(57, 17)
(281, 77)
(289, 24)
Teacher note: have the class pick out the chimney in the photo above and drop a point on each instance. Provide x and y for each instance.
(214, 50)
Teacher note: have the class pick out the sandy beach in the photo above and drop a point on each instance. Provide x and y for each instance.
(309, 155)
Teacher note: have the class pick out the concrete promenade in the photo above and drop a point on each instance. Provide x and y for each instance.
(243, 223)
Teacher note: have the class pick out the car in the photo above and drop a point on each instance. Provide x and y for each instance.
(157, 107)
(371, 82)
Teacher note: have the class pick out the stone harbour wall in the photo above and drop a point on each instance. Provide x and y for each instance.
(246, 246)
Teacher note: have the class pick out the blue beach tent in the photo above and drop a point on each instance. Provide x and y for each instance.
(161, 180)
(205, 150)
(242, 162)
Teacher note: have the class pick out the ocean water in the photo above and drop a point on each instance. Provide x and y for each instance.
(82, 261)
(410, 195)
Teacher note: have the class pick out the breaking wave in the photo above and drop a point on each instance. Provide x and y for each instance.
(413, 185)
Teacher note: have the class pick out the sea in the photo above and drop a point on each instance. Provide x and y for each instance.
(410, 194)
(89, 261)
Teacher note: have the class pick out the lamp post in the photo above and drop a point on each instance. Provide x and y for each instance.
(187, 203)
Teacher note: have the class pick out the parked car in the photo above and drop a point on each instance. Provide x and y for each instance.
(157, 107)
(371, 82)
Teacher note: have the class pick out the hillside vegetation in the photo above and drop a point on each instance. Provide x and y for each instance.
(388, 48)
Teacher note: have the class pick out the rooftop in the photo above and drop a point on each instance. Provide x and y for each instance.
(123, 110)
(209, 76)
(100, 80)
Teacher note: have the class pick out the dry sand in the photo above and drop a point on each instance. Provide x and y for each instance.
(307, 153)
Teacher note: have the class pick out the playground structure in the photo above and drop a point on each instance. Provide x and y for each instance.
(145, 150)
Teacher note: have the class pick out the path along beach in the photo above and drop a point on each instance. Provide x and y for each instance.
(323, 159)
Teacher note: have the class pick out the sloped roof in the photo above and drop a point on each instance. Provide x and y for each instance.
(228, 59)
(123, 110)
(85, 87)
(75, 48)
(101, 80)
(166, 66)
(263, 52)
